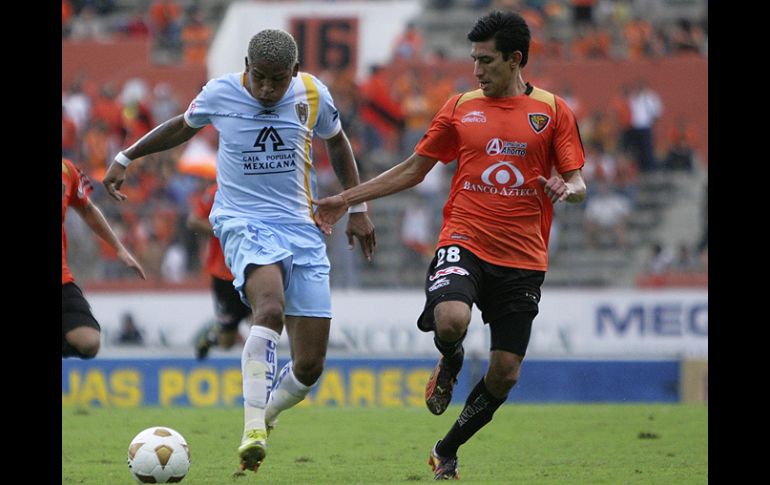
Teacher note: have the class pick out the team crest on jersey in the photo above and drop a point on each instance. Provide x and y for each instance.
(538, 121)
(302, 110)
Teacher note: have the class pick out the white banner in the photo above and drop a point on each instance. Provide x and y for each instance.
(572, 323)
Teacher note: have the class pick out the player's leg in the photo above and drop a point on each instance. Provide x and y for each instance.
(452, 319)
(510, 336)
(308, 338)
(451, 287)
(262, 268)
(81, 333)
(264, 291)
(308, 318)
(230, 311)
(509, 304)
(81, 342)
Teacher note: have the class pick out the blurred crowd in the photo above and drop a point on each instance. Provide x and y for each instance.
(384, 115)
(178, 30)
(585, 29)
(564, 29)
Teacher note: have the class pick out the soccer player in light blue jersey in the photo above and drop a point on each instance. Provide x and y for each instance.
(263, 215)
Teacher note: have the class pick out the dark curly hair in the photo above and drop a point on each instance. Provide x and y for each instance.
(509, 29)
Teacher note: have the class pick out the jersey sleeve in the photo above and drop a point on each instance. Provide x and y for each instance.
(441, 142)
(81, 186)
(199, 111)
(328, 123)
(567, 144)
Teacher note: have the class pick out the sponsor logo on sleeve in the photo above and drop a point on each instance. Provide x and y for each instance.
(474, 117)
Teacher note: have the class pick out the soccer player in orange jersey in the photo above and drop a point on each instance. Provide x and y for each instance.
(230, 309)
(80, 332)
(518, 152)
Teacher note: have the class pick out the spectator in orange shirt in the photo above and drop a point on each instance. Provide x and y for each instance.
(381, 114)
(165, 23)
(637, 35)
(69, 135)
(66, 17)
(591, 43)
(196, 36)
(97, 148)
(681, 152)
(107, 108)
(408, 45)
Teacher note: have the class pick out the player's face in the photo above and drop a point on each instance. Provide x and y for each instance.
(268, 81)
(496, 76)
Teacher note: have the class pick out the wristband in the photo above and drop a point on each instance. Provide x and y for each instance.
(357, 208)
(122, 159)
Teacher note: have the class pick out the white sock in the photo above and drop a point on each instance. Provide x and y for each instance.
(258, 362)
(288, 392)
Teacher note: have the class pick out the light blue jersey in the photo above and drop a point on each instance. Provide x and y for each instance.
(262, 212)
(264, 162)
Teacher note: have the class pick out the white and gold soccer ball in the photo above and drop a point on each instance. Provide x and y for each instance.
(158, 455)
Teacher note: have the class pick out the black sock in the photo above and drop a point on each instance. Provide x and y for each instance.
(478, 411)
(452, 351)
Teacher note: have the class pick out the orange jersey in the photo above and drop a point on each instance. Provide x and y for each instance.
(215, 258)
(496, 207)
(75, 188)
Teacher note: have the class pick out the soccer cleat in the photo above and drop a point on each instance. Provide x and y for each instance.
(443, 468)
(253, 449)
(204, 341)
(438, 391)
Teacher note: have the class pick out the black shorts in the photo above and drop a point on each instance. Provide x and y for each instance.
(228, 306)
(456, 274)
(75, 310)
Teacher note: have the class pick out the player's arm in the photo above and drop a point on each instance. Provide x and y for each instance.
(406, 174)
(199, 224)
(576, 186)
(569, 186)
(96, 221)
(342, 160)
(344, 165)
(167, 135)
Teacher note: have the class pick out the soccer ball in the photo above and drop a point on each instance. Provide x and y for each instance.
(158, 455)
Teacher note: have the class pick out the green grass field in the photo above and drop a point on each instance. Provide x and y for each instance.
(526, 444)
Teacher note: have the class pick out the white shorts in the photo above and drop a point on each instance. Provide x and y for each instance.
(299, 248)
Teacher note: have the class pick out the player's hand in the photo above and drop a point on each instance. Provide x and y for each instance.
(361, 227)
(555, 188)
(128, 259)
(112, 181)
(328, 212)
